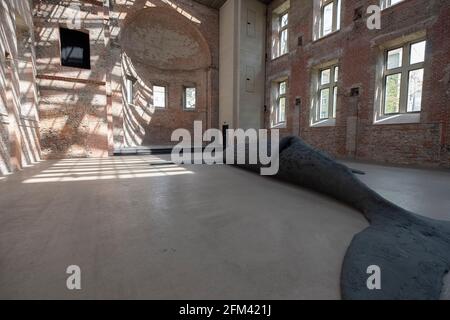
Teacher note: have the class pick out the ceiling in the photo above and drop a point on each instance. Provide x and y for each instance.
(212, 3)
(216, 4)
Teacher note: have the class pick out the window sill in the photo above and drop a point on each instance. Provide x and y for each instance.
(279, 57)
(324, 123)
(403, 118)
(327, 36)
(392, 6)
(279, 126)
(190, 110)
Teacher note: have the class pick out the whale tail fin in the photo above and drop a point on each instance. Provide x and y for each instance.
(413, 256)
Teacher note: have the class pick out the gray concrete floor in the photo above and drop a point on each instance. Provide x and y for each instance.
(182, 232)
(425, 192)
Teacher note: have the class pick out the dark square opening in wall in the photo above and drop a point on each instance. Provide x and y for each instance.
(75, 48)
(354, 92)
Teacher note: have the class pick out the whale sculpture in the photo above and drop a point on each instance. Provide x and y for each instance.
(413, 252)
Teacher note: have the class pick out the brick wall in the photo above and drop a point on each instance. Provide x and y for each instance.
(83, 112)
(357, 50)
(73, 105)
(19, 127)
(179, 48)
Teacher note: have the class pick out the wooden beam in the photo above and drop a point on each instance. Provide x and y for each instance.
(74, 80)
(93, 2)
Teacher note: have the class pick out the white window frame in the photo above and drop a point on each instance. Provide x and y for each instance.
(388, 3)
(185, 89)
(277, 118)
(281, 30)
(129, 90)
(404, 70)
(336, 19)
(333, 87)
(278, 29)
(165, 96)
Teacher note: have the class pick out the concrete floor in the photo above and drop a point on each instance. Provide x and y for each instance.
(425, 192)
(190, 232)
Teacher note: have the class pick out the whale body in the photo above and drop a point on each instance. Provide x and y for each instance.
(412, 251)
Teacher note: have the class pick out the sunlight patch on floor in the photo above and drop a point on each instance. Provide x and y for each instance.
(72, 170)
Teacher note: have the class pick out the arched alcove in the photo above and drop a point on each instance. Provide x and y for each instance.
(162, 47)
(162, 38)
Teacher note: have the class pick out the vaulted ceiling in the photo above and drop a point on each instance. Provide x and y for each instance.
(218, 3)
(212, 3)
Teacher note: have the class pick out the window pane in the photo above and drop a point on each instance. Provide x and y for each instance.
(392, 94)
(327, 18)
(190, 98)
(75, 48)
(338, 15)
(325, 76)
(129, 91)
(418, 52)
(388, 3)
(394, 58)
(284, 42)
(324, 103)
(415, 85)
(282, 89)
(159, 96)
(336, 74)
(334, 101)
(282, 110)
(395, 2)
(284, 20)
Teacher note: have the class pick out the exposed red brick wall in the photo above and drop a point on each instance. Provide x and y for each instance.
(19, 128)
(357, 49)
(141, 124)
(81, 117)
(73, 120)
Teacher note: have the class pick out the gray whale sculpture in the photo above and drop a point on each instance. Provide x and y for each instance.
(412, 251)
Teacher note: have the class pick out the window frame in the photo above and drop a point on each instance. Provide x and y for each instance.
(277, 29)
(64, 37)
(276, 97)
(404, 70)
(185, 88)
(332, 85)
(337, 4)
(278, 100)
(388, 3)
(282, 29)
(129, 89)
(165, 96)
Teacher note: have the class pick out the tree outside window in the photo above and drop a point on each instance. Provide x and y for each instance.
(326, 105)
(403, 78)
